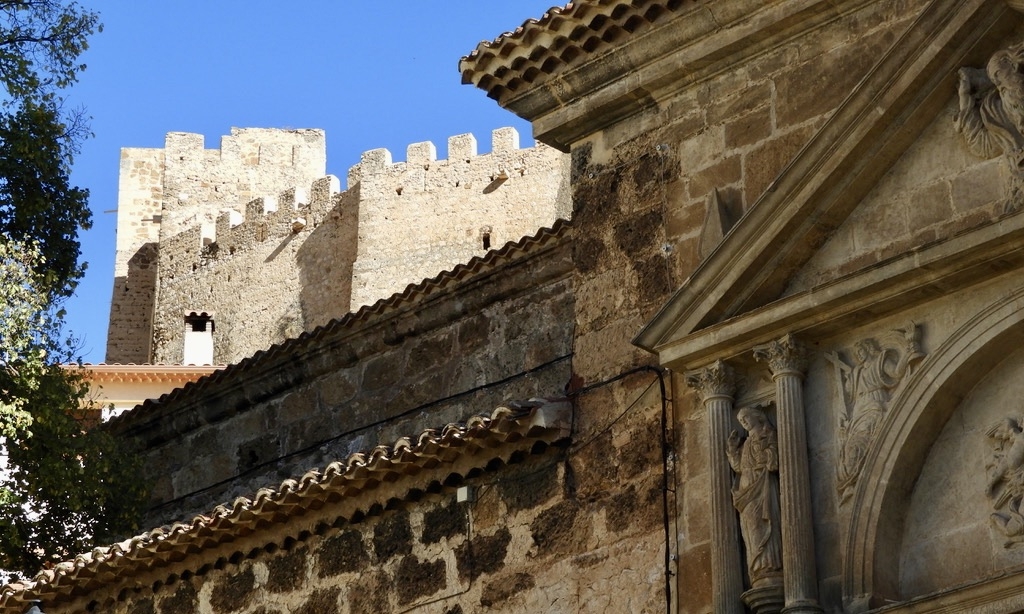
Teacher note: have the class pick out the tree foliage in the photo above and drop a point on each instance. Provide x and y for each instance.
(40, 45)
(65, 487)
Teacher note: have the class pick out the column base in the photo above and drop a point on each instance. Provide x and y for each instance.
(808, 606)
(765, 599)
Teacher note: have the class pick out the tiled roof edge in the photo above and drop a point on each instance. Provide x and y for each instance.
(414, 293)
(520, 425)
(563, 36)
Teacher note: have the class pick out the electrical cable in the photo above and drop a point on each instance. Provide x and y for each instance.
(309, 448)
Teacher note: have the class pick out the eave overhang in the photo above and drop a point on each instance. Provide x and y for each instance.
(569, 96)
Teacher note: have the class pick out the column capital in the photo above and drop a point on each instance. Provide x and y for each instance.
(717, 380)
(785, 355)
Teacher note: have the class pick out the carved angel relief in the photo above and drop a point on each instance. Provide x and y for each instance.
(867, 384)
(755, 461)
(991, 115)
(1005, 483)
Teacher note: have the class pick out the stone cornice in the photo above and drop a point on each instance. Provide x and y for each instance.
(686, 44)
(887, 287)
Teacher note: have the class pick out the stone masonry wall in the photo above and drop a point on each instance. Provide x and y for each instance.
(268, 276)
(140, 195)
(531, 541)
(645, 217)
(198, 183)
(932, 192)
(512, 332)
(423, 216)
(189, 242)
(163, 192)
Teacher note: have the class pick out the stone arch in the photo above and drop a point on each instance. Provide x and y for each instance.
(934, 391)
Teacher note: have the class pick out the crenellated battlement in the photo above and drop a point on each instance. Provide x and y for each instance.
(268, 218)
(423, 171)
(268, 148)
(258, 233)
(449, 210)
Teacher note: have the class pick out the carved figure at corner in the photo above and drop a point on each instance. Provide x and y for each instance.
(1005, 478)
(867, 385)
(755, 461)
(991, 115)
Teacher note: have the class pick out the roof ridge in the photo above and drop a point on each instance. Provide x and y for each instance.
(412, 293)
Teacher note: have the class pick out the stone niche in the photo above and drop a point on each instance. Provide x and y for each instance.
(951, 535)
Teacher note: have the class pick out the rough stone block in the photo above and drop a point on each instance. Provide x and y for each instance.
(748, 129)
(461, 147)
(724, 173)
(763, 164)
(415, 578)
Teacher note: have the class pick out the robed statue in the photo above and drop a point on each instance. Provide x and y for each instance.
(755, 461)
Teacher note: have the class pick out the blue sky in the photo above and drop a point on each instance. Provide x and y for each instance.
(372, 74)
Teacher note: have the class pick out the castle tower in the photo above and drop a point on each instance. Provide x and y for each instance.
(165, 191)
(230, 251)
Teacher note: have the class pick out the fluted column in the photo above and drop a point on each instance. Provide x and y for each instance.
(787, 360)
(716, 386)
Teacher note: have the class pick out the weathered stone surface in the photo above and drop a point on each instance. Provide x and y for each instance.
(233, 592)
(484, 554)
(287, 572)
(322, 601)
(445, 522)
(369, 593)
(342, 553)
(142, 606)
(560, 529)
(528, 486)
(502, 589)
(416, 578)
(392, 536)
(183, 599)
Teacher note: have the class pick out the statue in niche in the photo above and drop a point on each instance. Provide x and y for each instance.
(1005, 478)
(867, 385)
(755, 493)
(991, 115)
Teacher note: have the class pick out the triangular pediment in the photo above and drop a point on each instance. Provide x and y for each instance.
(784, 267)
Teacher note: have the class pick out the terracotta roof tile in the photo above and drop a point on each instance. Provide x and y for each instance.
(563, 36)
(478, 265)
(528, 427)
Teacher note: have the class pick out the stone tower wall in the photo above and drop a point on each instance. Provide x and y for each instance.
(255, 234)
(265, 276)
(423, 216)
(140, 197)
(251, 163)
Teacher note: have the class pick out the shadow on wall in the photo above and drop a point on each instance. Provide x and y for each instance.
(325, 263)
(131, 312)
